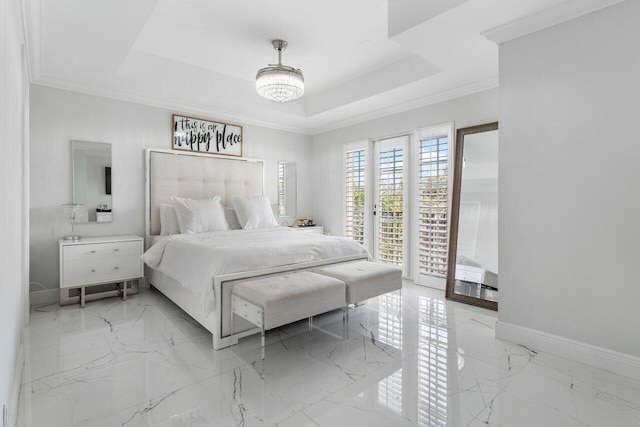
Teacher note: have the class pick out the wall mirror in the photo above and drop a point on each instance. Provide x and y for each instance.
(91, 162)
(287, 188)
(472, 275)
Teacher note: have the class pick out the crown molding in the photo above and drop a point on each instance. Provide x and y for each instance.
(32, 27)
(411, 105)
(545, 19)
(166, 104)
(207, 112)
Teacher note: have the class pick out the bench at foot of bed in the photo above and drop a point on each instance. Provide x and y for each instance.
(365, 279)
(274, 301)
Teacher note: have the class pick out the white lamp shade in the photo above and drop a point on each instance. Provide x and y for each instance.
(72, 213)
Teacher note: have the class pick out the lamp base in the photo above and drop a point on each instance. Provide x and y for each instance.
(73, 238)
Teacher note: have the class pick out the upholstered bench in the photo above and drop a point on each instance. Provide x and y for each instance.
(273, 301)
(364, 279)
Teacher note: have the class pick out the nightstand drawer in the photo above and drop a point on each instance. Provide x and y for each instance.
(100, 270)
(316, 229)
(101, 250)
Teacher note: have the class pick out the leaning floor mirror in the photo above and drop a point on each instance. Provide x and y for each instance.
(472, 276)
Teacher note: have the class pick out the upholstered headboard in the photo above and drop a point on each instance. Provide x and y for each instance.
(196, 176)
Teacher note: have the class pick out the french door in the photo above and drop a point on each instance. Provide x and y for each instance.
(390, 202)
(397, 201)
(433, 167)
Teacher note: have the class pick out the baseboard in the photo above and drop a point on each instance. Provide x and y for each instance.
(12, 405)
(49, 296)
(599, 357)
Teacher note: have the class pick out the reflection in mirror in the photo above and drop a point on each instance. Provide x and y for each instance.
(287, 188)
(92, 179)
(473, 259)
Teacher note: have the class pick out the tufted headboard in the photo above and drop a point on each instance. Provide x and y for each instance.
(196, 176)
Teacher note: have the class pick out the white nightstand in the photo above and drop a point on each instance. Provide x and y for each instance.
(94, 261)
(317, 229)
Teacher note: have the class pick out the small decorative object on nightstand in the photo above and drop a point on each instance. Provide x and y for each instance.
(103, 213)
(96, 261)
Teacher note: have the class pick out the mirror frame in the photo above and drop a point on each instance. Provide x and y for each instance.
(455, 214)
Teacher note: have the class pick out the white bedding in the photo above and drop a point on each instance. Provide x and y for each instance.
(194, 259)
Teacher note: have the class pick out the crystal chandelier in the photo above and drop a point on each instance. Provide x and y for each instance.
(280, 83)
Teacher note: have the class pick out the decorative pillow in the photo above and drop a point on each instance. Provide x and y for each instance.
(254, 212)
(232, 219)
(200, 216)
(168, 220)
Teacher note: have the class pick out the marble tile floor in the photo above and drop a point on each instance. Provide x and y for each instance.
(420, 361)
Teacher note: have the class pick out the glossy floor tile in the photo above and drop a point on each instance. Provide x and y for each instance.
(410, 359)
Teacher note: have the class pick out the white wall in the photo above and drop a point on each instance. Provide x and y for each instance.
(13, 187)
(569, 202)
(327, 163)
(59, 116)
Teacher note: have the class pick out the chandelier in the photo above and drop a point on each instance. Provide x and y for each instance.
(279, 82)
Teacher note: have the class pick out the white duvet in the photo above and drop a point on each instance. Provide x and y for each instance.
(194, 259)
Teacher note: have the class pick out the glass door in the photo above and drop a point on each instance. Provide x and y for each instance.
(390, 201)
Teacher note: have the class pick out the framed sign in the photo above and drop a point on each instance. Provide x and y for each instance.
(205, 136)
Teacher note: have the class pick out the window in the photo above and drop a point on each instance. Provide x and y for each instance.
(355, 195)
(397, 200)
(389, 204)
(282, 199)
(433, 206)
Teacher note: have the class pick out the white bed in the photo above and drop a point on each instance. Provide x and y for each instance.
(193, 270)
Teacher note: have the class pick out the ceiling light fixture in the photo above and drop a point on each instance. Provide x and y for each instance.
(280, 83)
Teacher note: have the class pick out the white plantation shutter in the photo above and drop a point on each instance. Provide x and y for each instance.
(433, 206)
(390, 203)
(355, 194)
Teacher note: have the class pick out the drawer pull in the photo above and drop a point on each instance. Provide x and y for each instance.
(116, 268)
(93, 270)
(93, 252)
(116, 250)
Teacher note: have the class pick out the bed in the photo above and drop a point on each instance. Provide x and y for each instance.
(197, 272)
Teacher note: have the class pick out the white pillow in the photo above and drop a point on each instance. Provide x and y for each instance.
(254, 212)
(168, 220)
(232, 219)
(200, 216)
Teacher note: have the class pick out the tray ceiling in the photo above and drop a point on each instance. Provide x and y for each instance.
(361, 58)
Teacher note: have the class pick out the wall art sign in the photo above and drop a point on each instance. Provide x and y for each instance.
(205, 136)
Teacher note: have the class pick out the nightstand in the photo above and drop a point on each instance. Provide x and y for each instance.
(93, 261)
(317, 229)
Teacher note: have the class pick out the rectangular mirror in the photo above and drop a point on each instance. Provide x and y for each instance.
(91, 163)
(473, 258)
(287, 188)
